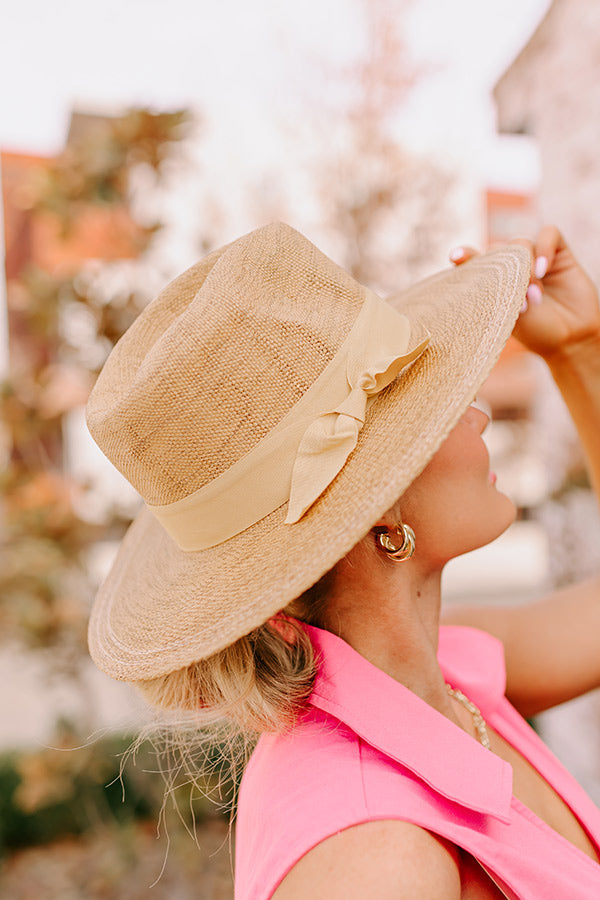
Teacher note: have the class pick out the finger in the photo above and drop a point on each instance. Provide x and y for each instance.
(462, 254)
(534, 294)
(533, 297)
(548, 243)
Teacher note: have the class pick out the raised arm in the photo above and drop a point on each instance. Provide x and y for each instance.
(553, 646)
(564, 329)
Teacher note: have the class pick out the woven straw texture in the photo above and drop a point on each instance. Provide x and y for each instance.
(201, 372)
(208, 369)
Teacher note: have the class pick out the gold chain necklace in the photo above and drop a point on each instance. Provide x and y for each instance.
(478, 720)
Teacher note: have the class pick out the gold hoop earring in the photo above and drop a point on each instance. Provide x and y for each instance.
(406, 548)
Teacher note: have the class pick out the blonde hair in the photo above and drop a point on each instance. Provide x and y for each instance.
(258, 684)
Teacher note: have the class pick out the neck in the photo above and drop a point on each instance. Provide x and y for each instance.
(389, 612)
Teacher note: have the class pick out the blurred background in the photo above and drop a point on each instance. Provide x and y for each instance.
(136, 137)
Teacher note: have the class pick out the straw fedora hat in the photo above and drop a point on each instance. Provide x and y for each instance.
(269, 409)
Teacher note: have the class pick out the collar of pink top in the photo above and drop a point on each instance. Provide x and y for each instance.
(398, 723)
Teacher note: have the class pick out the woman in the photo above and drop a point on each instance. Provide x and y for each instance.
(310, 458)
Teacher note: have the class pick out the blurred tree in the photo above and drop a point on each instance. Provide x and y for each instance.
(62, 326)
(386, 208)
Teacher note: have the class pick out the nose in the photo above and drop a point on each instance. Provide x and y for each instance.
(484, 412)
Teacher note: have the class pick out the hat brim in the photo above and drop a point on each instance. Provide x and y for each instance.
(161, 608)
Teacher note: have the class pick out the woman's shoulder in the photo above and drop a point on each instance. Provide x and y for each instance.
(318, 757)
(298, 789)
(384, 859)
(302, 790)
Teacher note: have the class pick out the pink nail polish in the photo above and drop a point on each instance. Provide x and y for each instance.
(457, 254)
(541, 267)
(524, 307)
(534, 294)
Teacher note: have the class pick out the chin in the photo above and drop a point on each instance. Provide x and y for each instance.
(496, 517)
(501, 515)
(509, 509)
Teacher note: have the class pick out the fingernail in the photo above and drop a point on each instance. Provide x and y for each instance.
(534, 294)
(524, 307)
(457, 254)
(541, 267)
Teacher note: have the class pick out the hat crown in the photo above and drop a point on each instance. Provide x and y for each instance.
(218, 359)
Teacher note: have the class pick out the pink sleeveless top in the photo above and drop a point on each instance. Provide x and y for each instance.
(368, 748)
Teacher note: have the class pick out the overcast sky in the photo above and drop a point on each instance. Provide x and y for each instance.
(241, 62)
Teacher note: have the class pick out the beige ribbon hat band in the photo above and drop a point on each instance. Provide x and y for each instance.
(302, 455)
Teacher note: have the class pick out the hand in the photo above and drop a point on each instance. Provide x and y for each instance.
(562, 311)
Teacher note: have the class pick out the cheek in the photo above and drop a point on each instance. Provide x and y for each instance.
(462, 456)
(452, 506)
(460, 465)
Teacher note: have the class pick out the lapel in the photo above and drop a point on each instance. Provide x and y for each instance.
(398, 723)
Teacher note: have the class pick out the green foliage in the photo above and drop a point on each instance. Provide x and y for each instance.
(70, 790)
(50, 793)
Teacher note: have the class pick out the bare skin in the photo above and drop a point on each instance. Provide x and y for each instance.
(390, 613)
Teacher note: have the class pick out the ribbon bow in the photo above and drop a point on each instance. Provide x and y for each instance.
(330, 439)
